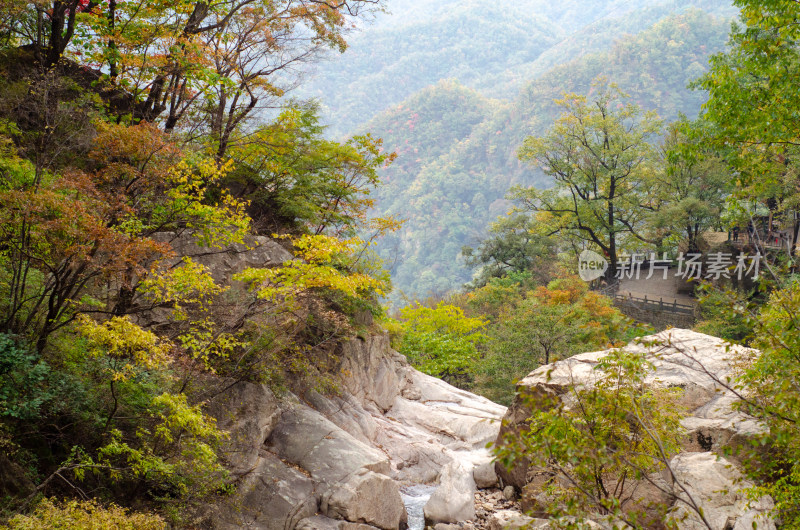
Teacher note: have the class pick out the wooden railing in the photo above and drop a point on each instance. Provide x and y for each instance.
(770, 241)
(656, 305)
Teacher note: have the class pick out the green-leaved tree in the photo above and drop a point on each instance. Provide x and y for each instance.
(600, 155)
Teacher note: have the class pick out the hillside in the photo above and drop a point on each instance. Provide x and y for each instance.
(449, 186)
(493, 48)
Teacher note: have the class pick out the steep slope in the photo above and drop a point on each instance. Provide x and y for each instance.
(598, 35)
(449, 198)
(459, 40)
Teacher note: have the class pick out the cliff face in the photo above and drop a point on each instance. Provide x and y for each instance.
(329, 461)
(321, 461)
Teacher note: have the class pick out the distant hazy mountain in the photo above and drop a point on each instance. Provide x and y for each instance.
(458, 148)
(493, 47)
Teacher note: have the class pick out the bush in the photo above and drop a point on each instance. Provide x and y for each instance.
(84, 515)
(723, 316)
(597, 441)
(442, 341)
(769, 387)
(23, 381)
(542, 326)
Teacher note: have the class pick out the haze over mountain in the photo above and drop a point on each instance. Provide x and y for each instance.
(495, 48)
(454, 87)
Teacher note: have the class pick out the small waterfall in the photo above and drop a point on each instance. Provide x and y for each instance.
(414, 497)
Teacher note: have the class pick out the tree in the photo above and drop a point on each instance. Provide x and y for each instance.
(63, 236)
(599, 442)
(295, 178)
(544, 325)
(515, 246)
(208, 65)
(752, 110)
(691, 189)
(442, 341)
(751, 84)
(599, 154)
(768, 391)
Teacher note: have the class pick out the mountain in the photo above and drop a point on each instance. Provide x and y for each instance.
(493, 47)
(457, 148)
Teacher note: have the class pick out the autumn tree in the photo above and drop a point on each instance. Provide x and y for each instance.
(600, 156)
(543, 325)
(64, 235)
(294, 177)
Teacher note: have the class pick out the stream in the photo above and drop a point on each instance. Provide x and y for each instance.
(415, 497)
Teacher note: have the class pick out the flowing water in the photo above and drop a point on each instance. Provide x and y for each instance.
(415, 497)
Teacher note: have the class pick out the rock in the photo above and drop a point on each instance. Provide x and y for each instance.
(509, 494)
(320, 522)
(453, 415)
(366, 497)
(249, 412)
(369, 374)
(273, 495)
(484, 475)
(343, 454)
(684, 359)
(306, 438)
(513, 520)
(696, 363)
(412, 393)
(446, 526)
(254, 251)
(453, 500)
(351, 474)
(716, 485)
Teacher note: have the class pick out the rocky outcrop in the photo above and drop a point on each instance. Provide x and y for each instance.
(338, 461)
(698, 364)
(254, 251)
(334, 461)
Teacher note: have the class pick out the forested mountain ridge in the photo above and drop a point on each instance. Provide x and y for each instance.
(495, 49)
(449, 196)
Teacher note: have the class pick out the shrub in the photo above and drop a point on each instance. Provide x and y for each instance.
(84, 515)
(597, 441)
(442, 341)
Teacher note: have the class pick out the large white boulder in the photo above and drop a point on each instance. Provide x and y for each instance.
(454, 499)
(366, 497)
(273, 496)
(699, 364)
(703, 367)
